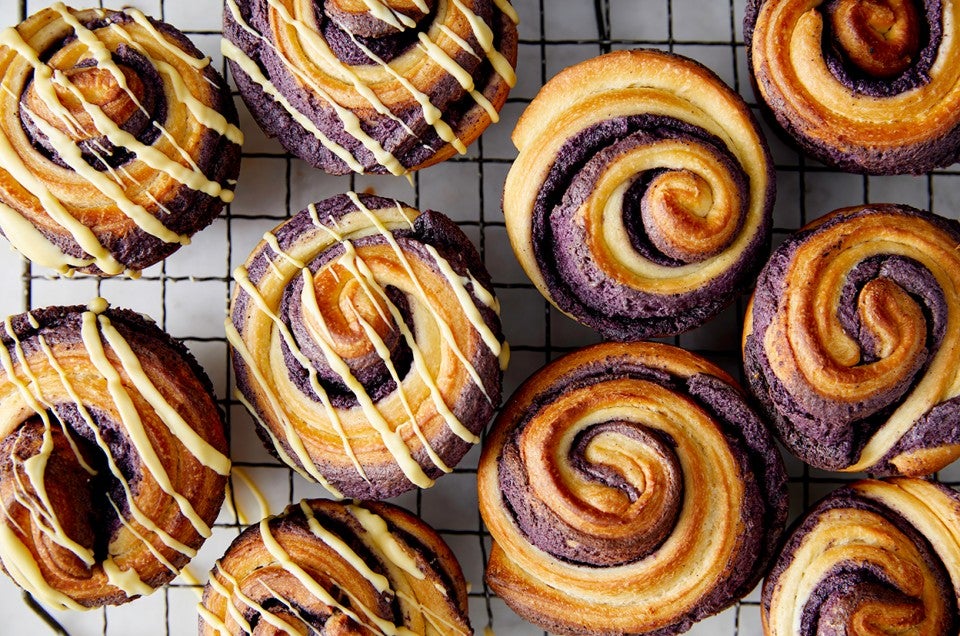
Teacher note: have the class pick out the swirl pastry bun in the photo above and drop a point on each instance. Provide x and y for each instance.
(367, 343)
(329, 567)
(640, 203)
(874, 557)
(112, 455)
(383, 86)
(869, 86)
(118, 140)
(851, 342)
(629, 489)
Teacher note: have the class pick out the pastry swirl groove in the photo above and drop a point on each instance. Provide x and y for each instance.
(112, 455)
(873, 557)
(640, 201)
(386, 86)
(629, 488)
(869, 86)
(118, 140)
(366, 341)
(851, 342)
(337, 568)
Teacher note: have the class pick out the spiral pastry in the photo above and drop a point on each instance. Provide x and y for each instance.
(366, 341)
(870, 86)
(629, 489)
(851, 343)
(330, 567)
(640, 201)
(372, 86)
(117, 140)
(112, 464)
(875, 557)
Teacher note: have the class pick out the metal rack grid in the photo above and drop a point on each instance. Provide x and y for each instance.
(188, 294)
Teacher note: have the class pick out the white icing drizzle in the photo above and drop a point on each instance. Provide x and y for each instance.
(142, 20)
(315, 43)
(386, 14)
(72, 155)
(135, 510)
(355, 265)
(258, 495)
(392, 440)
(361, 272)
(348, 118)
(379, 533)
(315, 588)
(17, 558)
(34, 244)
(290, 434)
(205, 453)
(484, 35)
(376, 535)
(466, 302)
(244, 281)
(42, 510)
(252, 70)
(431, 114)
(92, 324)
(19, 563)
(341, 547)
(507, 9)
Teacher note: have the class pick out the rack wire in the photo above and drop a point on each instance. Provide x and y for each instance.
(189, 293)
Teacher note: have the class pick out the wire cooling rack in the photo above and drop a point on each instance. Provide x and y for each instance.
(188, 294)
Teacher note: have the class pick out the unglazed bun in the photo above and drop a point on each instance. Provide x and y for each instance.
(870, 86)
(388, 86)
(327, 567)
(366, 341)
(629, 489)
(112, 455)
(873, 557)
(118, 140)
(640, 201)
(852, 341)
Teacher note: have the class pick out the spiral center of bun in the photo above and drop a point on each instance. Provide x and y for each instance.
(683, 218)
(96, 86)
(880, 37)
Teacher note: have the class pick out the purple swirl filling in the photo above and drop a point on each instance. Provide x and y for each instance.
(576, 283)
(851, 583)
(764, 508)
(832, 434)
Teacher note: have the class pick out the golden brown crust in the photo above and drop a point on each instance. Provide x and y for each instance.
(872, 557)
(866, 86)
(338, 568)
(367, 342)
(379, 87)
(640, 201)
(628, 488)
(118, 140)
(112, 460)
(851, 341)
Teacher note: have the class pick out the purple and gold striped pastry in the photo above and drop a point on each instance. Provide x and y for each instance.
(366, 341)
(324, 567)
(852, 345)
(874, 557)
(640, 201)
(870, 86)
(372, 86)
(629, 489)
(118, 140)
(112, 455)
